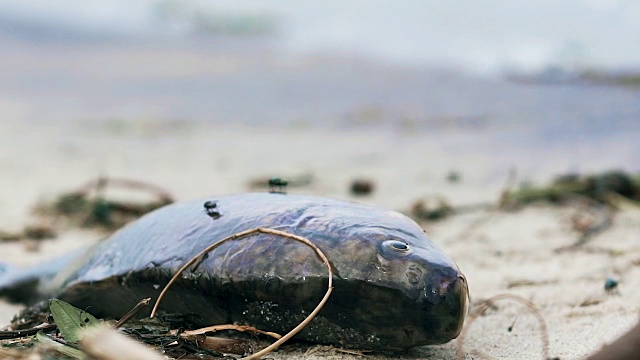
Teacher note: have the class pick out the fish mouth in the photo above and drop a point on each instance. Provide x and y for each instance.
(460, 292)
(444, 285)
(451, 295)
(445, 303)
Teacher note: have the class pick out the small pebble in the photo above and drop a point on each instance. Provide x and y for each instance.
(362, 187)
(454, 177)
(610, 284)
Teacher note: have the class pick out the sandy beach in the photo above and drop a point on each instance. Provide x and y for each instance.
(502, 252)
(201, 123)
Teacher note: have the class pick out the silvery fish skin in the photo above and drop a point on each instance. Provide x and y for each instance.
(393, 288)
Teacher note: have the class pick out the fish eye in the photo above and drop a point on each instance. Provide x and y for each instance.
(397, 245)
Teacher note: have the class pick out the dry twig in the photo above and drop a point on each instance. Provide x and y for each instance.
(15, 334)
(215, 328)
(243, 234)
(132, 312)
(219, 344)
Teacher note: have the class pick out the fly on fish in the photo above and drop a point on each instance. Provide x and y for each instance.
(393, 288)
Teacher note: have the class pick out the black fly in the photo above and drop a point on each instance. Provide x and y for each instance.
(278, 185)
(211, 208)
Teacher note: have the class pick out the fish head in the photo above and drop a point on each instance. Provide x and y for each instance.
(432, 294)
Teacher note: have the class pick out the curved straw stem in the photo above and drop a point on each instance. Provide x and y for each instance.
(246, 233)
(487, 303)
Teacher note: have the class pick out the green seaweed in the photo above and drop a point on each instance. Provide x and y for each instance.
(597, 187)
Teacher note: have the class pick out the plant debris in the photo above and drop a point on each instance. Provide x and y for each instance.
(597, 187)
(70, 320)
(37, 231)
(30, 317)
(136, 309)
(67, 335)
(421, 210)
(591, 301)
(596, 198)
(89, 206)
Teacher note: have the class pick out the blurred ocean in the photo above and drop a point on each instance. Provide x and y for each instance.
(482, 36)
(406, 66)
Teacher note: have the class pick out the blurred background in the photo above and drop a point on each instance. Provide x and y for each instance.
(205, 96)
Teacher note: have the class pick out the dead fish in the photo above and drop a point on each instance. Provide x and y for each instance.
(393, 288)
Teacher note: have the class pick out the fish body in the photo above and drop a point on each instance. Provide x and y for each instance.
(393, 288)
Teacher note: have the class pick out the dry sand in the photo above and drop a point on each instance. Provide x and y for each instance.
(503, 253)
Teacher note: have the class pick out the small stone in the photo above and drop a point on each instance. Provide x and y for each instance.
(361, 187)
(454, 177)
(610, 284)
